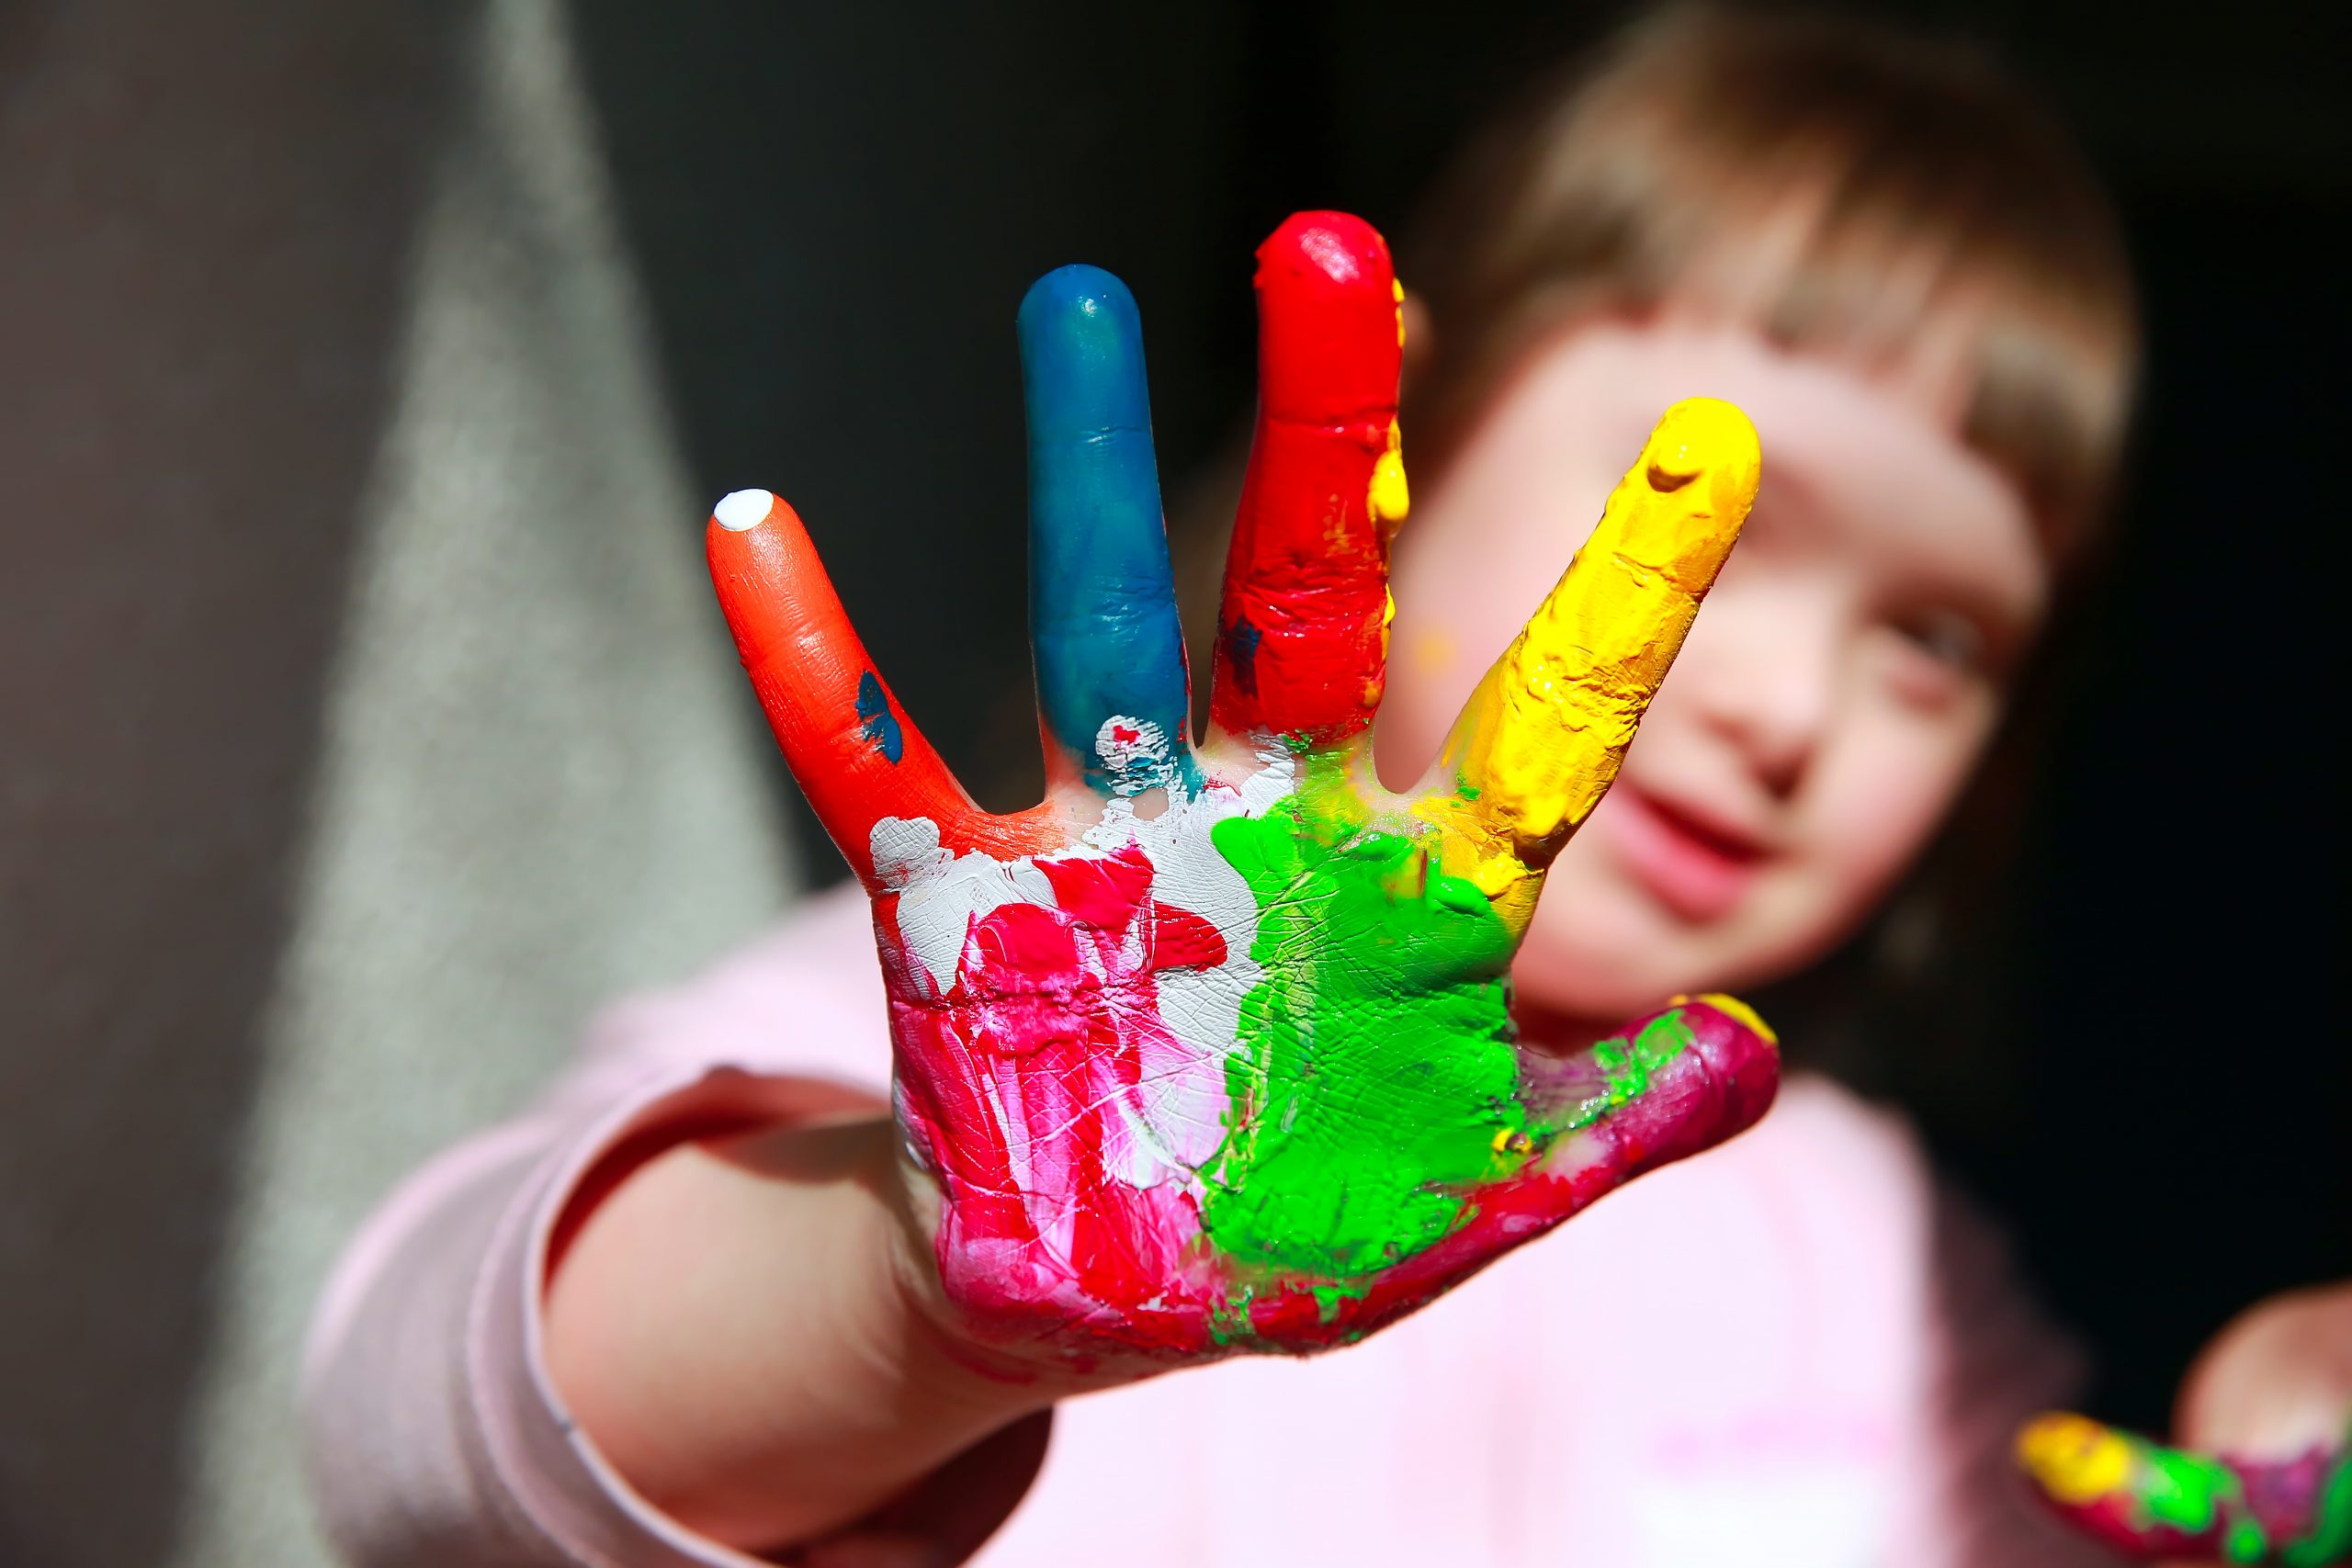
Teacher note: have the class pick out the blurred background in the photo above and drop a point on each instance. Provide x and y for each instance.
(368, 370)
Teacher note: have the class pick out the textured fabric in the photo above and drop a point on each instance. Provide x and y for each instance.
(539, 780)
(193, 321)
(1744, 1358)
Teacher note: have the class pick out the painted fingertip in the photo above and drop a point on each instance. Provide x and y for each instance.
(1077, 293)
(2075, 1460)
(1334, 253)
(1699, 435)
(1738, 1012)
(1328, 320)
(744, 510)
(1742, 1054)
(1082, 354)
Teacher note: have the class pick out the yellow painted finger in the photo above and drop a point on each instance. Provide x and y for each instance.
(1540, 740)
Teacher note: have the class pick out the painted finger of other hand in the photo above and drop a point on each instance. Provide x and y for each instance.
(2154, 1502)
(855, 755)
(1542, 737)
(1302, 631)
(1102, 625)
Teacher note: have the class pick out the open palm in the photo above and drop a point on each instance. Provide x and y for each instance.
(1213, 1049)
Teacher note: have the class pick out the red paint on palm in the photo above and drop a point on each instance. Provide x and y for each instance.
(1302, 641)
(1052, 1028)
(809, 670)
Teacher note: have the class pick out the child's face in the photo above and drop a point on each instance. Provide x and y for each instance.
(1838, 685)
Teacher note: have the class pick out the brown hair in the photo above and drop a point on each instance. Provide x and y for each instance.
(1848, 190)
(1860, 192)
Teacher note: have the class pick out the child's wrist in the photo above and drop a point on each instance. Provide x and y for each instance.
(951, 1349)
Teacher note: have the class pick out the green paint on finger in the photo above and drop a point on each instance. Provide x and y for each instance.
(1628, 1065)
(2330, 1540)
(1377, 1077)
(2183, 1489)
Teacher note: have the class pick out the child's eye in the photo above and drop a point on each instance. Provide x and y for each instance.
(1936, 656)
(1949, 638)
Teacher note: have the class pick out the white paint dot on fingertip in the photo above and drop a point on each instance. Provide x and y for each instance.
(743, 509)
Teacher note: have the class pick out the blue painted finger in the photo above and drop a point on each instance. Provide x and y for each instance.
(1102, 625)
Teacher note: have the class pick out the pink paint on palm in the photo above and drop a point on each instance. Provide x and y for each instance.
(1027, 1085)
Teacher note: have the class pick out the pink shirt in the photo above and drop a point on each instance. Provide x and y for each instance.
(1785, 1352)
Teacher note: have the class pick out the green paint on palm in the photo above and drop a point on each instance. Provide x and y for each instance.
(1378, 1077)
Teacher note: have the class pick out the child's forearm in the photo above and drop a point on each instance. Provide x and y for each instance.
(744, 1329)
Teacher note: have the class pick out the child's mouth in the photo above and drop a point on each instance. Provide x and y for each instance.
(1698, 869)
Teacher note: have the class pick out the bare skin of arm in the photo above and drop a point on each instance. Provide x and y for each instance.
(754, 1334)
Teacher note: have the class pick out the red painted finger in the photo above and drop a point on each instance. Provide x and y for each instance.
(1303, 635)
(857, 756)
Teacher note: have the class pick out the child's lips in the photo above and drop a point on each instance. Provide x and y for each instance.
(1699, 869)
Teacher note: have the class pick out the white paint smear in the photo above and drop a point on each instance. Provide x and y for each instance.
(1177, 1116)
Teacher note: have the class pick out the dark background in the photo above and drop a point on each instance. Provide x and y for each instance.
(2167, 1133)
(205, 209)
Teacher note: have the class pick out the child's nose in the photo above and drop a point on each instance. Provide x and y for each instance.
(1767, 680)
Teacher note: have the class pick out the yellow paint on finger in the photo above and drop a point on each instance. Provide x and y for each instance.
(1738, 1009)
(1389, 499)
(1542, 738)
(2075, 1460)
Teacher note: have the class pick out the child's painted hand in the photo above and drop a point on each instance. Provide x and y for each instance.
(1212, 1050)
(2278, 1382)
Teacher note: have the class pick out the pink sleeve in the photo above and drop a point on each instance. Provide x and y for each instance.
(435, 1435)
(1998, 1362)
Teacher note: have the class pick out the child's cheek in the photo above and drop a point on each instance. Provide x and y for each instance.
(1884, 791)
(1602, 949)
